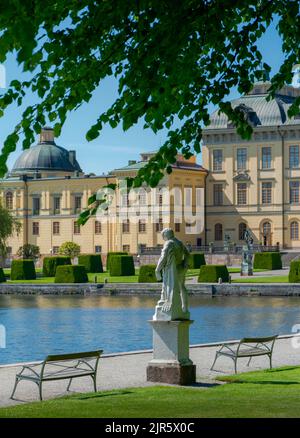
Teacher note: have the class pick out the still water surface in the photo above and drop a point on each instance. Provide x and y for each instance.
(38, 325)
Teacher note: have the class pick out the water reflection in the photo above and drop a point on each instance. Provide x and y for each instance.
(39, 325)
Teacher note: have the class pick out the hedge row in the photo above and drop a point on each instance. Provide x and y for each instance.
(294, 274)
(2, 276)
(71, 274)
(50, 264)
(196, 260)
(121, 265)
(22, 270)
(91, 262)
(111, 254)
(267, 260)
(147, 274)
(212, 273)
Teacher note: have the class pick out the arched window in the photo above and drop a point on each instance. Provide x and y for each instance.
(9, 200)
(294, 230)
(266, 233)
(242, 229)
(218, 232)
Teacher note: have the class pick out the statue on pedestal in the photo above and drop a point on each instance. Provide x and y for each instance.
(247, 255)
(171, 269)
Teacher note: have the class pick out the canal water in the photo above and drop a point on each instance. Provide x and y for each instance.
(38, 325)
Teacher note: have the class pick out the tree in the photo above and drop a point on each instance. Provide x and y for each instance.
(171, 60)
(69, 249)
(8, 226)
(29, 251)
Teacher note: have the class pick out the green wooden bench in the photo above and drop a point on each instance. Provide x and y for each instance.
(247, 347)
(59, 367)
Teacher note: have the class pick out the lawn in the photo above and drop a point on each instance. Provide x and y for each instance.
(270, 393)
(274, 279)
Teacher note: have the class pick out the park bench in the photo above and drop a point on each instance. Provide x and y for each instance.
(59, 367)
(247, 347)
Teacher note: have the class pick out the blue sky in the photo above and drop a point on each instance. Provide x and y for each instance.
(113, 148)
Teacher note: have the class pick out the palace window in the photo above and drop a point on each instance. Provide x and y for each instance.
(242, 193)
(35, 228)
(218, 232)
(142, 226)
(9, 200)
(266, 193)
(266, 157)
(294, 156)
(217, 160)
(159, 225)
(143, 197)
(126, 226)
(241, 158)
(55, 250)
(126, 248)
(218, 194)
(242, 230)
(36, 206)
(98, 228)
(177, 227)
(98, 249)
(77, 204)
(56, 228)
(294, 192)
(294, 230)
(56, 204)
(76, 228)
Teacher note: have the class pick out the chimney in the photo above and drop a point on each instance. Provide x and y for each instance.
(47, 135)
(72, 157)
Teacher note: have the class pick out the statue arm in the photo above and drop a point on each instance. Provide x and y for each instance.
(161, 263)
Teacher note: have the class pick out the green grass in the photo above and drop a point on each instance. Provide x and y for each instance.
(273, 279)
(237, 270)
(270, 393)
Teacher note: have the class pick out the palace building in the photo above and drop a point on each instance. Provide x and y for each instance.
(255, 184)
(47, 189)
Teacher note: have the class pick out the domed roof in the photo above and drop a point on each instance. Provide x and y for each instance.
(46, 156)
(258, 110)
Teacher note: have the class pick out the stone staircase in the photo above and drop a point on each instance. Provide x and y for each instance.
(288, 257)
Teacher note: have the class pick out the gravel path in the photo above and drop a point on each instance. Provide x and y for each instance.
(129, 370)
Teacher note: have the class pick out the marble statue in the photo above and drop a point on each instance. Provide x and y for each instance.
(171, 269)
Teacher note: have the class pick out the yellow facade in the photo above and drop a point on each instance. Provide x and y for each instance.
(258, 179)
(48, 223)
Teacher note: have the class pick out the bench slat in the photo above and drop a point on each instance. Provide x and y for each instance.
(61, 357)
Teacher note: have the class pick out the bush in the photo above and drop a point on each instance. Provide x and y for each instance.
(212, 273)
(29, 251)
(69, 249)
(2, 276)
(50, 264)
(91, 262)
(196, 260)
(71, 274)
(294, 274)
(147, 274)
(121, 265)
(267, 260)
(110, 254)
(22, 270)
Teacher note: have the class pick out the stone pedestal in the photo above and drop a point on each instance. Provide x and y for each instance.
(171, 362)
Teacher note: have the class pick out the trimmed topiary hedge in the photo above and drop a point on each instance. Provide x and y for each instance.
(196, 260)
(121, 265)
(50, 264)
(22, 270)
(2, 276)
(267, 260)
(111, 254)
(147, 274)
(212, 273)
(294, 274)
(91, 262)
(71, 274)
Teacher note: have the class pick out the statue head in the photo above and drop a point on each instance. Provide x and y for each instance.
(167, 233)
